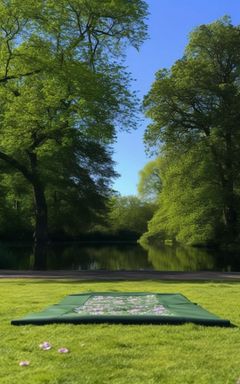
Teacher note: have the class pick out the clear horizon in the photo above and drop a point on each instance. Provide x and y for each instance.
(170, 22)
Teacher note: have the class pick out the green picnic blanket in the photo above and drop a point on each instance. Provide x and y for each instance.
(128, 308)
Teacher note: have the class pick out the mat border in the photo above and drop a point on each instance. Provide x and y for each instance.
(120, 319)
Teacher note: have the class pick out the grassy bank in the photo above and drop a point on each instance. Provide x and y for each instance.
(118, 354)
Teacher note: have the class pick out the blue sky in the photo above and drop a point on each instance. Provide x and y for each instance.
(170, 22)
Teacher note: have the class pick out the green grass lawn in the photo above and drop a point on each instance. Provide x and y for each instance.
(118, 354)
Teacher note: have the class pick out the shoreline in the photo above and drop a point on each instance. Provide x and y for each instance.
(102, 275)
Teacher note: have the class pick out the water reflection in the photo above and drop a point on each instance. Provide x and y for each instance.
(118, 256)
(98, 256)
(169, 258)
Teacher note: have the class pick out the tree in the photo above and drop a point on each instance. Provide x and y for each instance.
(197, 103)
(189, 204)
(37, 128)
(150, 183)
(78, 199)
(61, 83)
(129, 214)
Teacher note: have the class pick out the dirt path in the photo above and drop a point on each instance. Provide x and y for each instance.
(123, 275)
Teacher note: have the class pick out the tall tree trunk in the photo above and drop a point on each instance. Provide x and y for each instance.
(40, 236)
(230, 211)
(226, 174)
(41, 215)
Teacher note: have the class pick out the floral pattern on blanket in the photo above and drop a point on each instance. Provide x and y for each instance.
(123, 305)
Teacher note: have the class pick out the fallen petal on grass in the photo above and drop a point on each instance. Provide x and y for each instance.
(24, 363)
(63, 350)
(45, 346)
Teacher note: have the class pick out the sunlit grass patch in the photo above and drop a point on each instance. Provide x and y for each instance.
(118, 353)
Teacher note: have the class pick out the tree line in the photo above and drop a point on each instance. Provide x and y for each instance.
(65, 93)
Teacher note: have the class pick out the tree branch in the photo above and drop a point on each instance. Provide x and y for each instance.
(16, 165)
(12, 77)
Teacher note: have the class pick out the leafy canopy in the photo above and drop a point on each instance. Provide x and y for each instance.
(195, 112)
(64, 91)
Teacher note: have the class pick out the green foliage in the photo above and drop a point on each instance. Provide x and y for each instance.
(129, 213)
(77, 190)
(77, 200)
(150, 183)
(16, 206)
(194, 109)
(189, 205)
(63, 92)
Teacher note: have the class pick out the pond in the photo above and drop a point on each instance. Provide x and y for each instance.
(119, 256)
